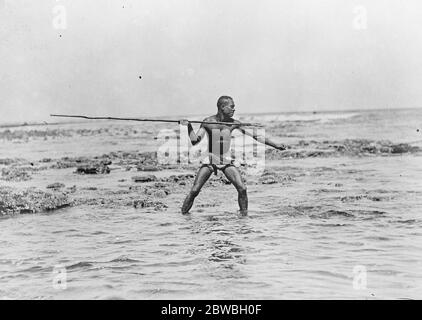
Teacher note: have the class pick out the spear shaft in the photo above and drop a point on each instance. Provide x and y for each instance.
(152, 120)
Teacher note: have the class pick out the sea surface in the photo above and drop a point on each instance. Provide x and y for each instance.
(346, 226)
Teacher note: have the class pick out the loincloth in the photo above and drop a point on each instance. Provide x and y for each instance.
(213, 164)
(215, 167)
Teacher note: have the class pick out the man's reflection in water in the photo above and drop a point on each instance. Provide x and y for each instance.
(221, 241)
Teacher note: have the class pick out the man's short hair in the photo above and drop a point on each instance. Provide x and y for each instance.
(223, 100)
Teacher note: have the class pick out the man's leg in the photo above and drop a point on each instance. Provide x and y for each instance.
(233, 174)
(201, 177)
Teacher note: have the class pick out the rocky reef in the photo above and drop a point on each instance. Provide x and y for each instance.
(348, 147)
(30, 200)
(137, 179)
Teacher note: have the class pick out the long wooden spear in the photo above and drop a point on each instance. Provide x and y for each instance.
(154, 120)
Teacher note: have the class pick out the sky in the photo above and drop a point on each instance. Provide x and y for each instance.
(174, 57)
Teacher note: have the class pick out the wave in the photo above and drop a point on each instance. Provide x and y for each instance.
(82, 264)
(125, 259)
(362, 214)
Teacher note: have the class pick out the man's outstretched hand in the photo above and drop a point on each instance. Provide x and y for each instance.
(184, 122)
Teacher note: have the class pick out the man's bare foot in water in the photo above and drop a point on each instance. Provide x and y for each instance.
(243, 212)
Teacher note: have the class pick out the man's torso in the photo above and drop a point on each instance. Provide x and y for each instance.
(219, 140)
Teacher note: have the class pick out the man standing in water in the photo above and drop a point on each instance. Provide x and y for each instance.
(219, 138)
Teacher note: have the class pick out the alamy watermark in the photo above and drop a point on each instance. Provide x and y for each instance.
(360, 20)
(360, 280)
(59, 16)
(239, 150)
(59, 277)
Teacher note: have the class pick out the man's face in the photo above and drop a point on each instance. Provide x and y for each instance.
(228, 108)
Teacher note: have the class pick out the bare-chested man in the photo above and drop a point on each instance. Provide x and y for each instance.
(219, 138)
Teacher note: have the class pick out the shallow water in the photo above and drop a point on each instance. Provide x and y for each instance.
(302, 239)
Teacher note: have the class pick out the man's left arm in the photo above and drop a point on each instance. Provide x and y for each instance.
(255, 134)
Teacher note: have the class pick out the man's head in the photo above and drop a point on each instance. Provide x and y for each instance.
(225, 105)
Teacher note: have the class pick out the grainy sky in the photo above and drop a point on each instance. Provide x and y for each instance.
(271, 56)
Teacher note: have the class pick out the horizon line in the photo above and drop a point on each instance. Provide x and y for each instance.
(41, 122)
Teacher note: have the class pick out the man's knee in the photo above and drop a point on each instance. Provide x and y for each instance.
(241, 189)
(195, 191)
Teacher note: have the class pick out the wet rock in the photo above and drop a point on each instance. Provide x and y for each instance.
(303, 143)
(90, 188)
(15, 174)
(146, 203)
(134, 158)
(349, 147)
(268, 180)
(148, 168)
(216, 181)
(333, 213)
(72, 189)
(317, 153)
(338, 147)
(98, 168)
(84, 165)
(270, 177)
(158, 190)
(137, 188)
(69, 162)
(179, 178)
(376, 198)
(56, 186)
(6, 161)
(159, 193)
(86, 170)
(14, 161)
(224, 180)
(403, 148)
(369, 148)
(19, 134)
(30, 200)
(351, 198)
(207, 205)
(106, 162)
(145, 161)
(162, 185)
(147, 178)
(386, 150)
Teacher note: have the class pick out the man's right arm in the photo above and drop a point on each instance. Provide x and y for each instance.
(195, 138)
